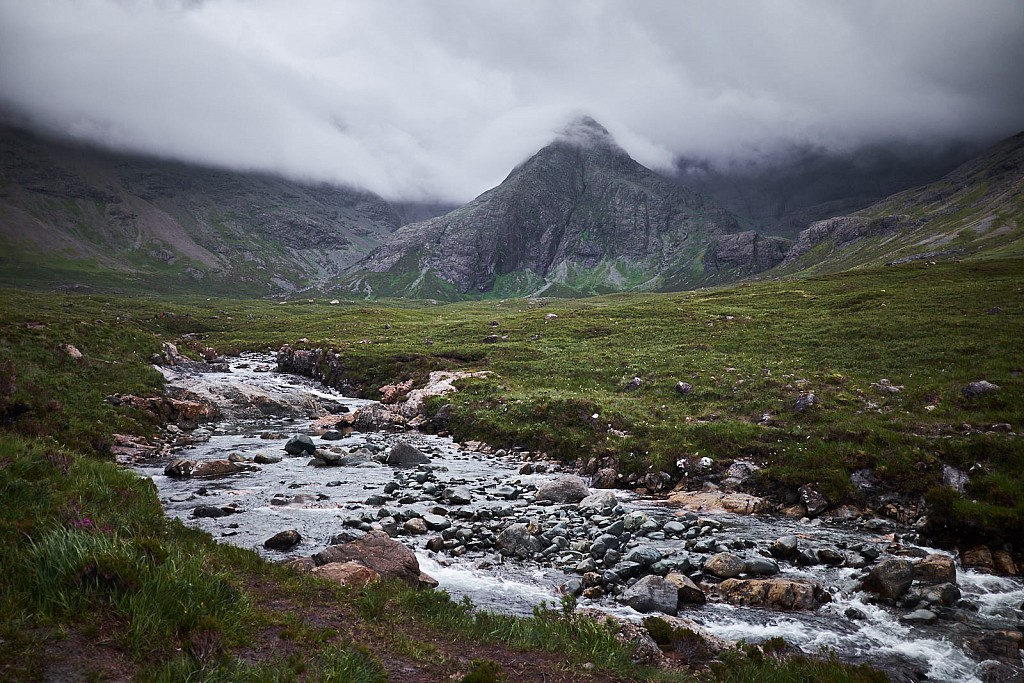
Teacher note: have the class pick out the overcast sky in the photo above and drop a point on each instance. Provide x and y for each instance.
(441, 99)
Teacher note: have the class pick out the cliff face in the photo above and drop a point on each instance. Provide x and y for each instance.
(579, 213)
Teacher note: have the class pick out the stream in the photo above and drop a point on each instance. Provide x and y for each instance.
(323, 502)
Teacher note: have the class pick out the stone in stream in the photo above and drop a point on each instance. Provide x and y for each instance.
(935, 568)
(890, 578)
(329, 457)
(784, 547)
(921, 616)
(180, 467)
(379, 552)
(567, 489)
(285, 540)
(601, 501)
(212, 511)
(332, 435)
(457, 495)
(298, 445)
(943, 594)
(436, 522)
(652, 594)
(725, 565)
(604, 478)
(775, 593)
(687, 591)
(517, 540)
(761, 566)
(266, 459)
(405, 454)
(645, 557)
(415, 526)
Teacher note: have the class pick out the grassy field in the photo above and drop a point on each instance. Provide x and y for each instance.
(92, 561)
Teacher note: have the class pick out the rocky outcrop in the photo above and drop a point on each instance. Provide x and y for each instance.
(841, 231)
(580, 212)
(349, 573)
(745, 253)
(890, 578)
(718, 501)
(379, 552)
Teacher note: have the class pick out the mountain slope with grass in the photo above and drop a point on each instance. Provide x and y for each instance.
(977, 209)
(77, 215)
(579, 217)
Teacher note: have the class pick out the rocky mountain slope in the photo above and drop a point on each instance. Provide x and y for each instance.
(580, 216)
(71, 214)
(977, 209)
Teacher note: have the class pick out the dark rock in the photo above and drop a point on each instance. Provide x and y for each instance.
(604, 478)
(687, 591)
(517, 540)
(978, 558)
(458, 495)
(684, 388)
(890, 578)
(212, 511)
(436, 522)
(761, 566)
(652, 594)
(855, 614)
(784, 547)
(298, 445)
(645, 557)
(285, 540)
(180, 467)
(332, 435)
(745, 252)
(815, 502)
(633, 384)
(804, 402)
(267, 459)
(404, 454)
(936, 568)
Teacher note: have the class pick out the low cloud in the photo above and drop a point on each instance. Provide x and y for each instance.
(440, 100)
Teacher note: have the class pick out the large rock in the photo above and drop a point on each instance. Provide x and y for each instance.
(379, 552)
(216, 468)
(517, 540)
(349, 573)
(785, 547)
(935, 568)
(785, 594)
(745, 252)
(601, 501)
(890, 578)
(567, 489)
(604, 478)
(180, 467)
(285, 540)
(652, 594)
(814, 501)
(725, 565)
(717, 501)
(299, 445)
(980, 388)
(374, 417)
(404, 454)
(688, 592)
(978, 558)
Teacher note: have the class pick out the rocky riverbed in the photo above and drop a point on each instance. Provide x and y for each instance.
(277, 472)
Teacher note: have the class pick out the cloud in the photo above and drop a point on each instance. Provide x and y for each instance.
(440, 100)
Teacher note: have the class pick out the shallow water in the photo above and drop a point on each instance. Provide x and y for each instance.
(320, 502)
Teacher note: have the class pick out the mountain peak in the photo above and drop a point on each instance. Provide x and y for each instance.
(585, 131)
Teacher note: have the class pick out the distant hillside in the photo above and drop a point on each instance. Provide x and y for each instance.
(977, 209)
(77, 215)
(579, 217)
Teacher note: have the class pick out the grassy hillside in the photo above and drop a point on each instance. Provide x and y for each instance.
(93, 567)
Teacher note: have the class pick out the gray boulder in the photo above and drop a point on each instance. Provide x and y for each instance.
(600, 501)
(567, 489)
(688, 592)
(980, 388)
(890, 578)
(404, 454)
(298, 445)
(761, 566)
(652, 594)
(517, 540)
(784, 547)
(725, 565)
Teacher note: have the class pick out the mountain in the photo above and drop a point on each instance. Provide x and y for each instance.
(580, 216)
(783, 194)
(975, 210)
(72, 214)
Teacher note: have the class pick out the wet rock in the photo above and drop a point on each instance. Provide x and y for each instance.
(285, 540)
(572, 587)
(991, 671)
(717, 501)
(379, 552)
(935, 568)
(760, 566)
(180, 467)
(436, 522)
(330, 457)
(567, 489)
(604, 478)
(652, 594)
(415, 526)
(517, 540)
(349, 573)
(814, 501)
(1003, 564)
(1001, 646)
(980, 388)
(458, 495)
(644, 557)
(890, 578)
(921, 616)
(332, 435)
(601, 501)
(687, 591)
(943, 594)
(978, 558)
(505, 491)
(855, 614)
(404, 454)
(212, 511)
(299, 445)
(725, 565)
(267, 459)
(435, 544)
(784, 547)
(785, 594)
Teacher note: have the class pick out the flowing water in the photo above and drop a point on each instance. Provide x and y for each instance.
(320, 502)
